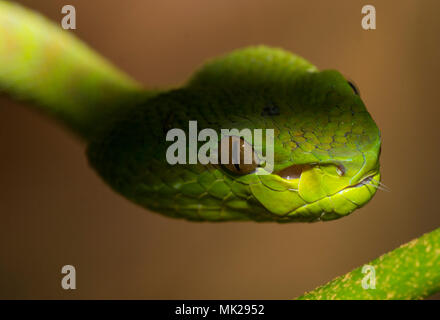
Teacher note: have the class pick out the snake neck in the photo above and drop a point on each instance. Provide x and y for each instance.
(59, 74)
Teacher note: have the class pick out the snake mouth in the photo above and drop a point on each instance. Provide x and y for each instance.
(366, 181)
(295, 171)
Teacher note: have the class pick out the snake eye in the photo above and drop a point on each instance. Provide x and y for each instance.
(237, 156)
(354, 87)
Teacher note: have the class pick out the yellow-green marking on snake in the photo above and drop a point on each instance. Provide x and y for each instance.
(326, 148)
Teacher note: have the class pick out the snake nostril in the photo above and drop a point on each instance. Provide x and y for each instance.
(291, 172)
(294, 171)
(340, 170)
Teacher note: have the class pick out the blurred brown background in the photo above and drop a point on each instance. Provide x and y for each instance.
(54, 209)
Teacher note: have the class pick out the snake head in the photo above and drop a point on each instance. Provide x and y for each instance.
(327, 150)
(326, 145)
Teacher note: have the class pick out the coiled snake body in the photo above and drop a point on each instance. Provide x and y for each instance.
(326, 148)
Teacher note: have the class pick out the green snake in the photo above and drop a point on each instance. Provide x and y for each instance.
(326, 145)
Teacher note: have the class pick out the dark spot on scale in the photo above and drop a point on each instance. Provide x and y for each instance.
(270, 110)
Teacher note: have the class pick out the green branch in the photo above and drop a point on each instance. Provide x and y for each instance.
(411, 271)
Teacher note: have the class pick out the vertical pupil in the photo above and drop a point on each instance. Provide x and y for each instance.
(237, 155)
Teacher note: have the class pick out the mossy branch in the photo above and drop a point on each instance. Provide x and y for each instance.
(411, 271)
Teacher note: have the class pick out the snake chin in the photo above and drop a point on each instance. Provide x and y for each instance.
(340, 204)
